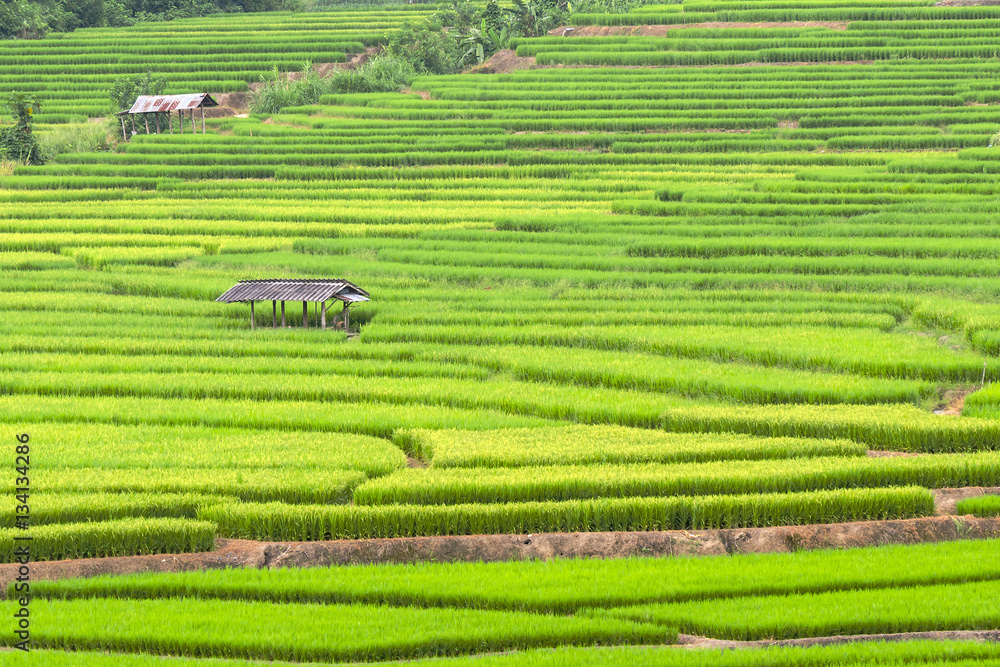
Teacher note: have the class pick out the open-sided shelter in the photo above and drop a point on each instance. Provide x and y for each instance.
(296, 289)
(167, 104)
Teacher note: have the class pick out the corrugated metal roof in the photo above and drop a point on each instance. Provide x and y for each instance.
(294, 290)
(167, 103)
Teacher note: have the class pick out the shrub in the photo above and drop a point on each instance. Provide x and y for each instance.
(18, 142)
(381, 74)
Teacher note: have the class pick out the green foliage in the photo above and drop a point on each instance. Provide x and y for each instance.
(426, 48)
(494, 16)
(603, 6)
(534, 18)
(127, 89)
(484, 41)
(33, 19)
(18, 142)
(84, 138)
(381, 74)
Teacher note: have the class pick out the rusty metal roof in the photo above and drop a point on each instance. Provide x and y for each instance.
(167, 103)
(294, 290)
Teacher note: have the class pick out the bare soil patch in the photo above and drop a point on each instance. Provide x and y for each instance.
(325, 69)
(662, 30)
(504, 62)
(496, 548)
(694, 642)
(954, 401)
(945, 500)
(965, 3)
(422, 93)
(230, 104)
(880, 454)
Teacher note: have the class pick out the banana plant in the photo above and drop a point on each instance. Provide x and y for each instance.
(483, 42)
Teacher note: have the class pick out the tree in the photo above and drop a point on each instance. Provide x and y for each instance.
(536, 17)
(127, 89)
(426, 48)
(17, 142)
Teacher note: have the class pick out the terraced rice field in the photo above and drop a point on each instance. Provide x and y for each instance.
(641, 287)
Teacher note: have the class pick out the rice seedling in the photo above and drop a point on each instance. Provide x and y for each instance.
(452, 486)
(119, 537)
(565, 585)
(982, 506)
(201, 628)
(602, 444)
(941, 607)
(277, 521)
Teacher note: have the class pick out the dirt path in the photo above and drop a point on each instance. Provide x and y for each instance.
(946, 499)
(694, 642)
(495, 548)
(503, 62)
(662, 30)
(233, 104)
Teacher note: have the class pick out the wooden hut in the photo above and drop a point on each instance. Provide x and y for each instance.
(296, 289)
(156, 105)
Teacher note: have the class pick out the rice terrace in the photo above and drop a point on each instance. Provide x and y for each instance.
(503, 333)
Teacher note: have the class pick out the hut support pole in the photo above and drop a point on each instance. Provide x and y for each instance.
(170, 122)
(180, 120)
(124, 131)
(202, 119)
(193, 129)
(132, 120)
(282, 314)
(145, 117)
(274, 314)
(323, 316)
(305, 314)
(251, 316)
(347, 317)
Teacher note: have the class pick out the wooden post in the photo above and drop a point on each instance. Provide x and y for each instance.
(145, 117)
(157, 116)
(170, 122)
(251, 316)
(124, 131)
(323, 316)
(180, 120)
(193, 129)
(305, 314)
(282, 314)
(347, 317)
(274, 314)
(132, 119)
(202, 119)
